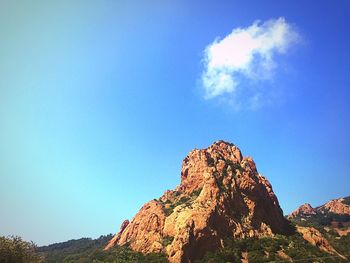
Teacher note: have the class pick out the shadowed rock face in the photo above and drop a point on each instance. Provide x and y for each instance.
(221, 195)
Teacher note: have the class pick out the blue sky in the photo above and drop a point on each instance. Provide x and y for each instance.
(101, 100)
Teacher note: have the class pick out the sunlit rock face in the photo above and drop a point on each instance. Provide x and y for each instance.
(221, 195)
(305, 210)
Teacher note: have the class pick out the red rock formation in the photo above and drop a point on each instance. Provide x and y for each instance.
(114, 241)
(314, 237)
(221, 195)
(336, 206)
(303, 210)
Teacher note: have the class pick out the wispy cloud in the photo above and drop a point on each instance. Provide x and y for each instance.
(246, 52)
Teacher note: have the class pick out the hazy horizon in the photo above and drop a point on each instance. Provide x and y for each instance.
(101, 101)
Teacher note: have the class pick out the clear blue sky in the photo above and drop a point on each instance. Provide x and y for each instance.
(101, 100)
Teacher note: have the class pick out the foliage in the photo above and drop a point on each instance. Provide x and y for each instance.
(235, 166)
(210, 161)
(180, 200)
(346, 200)
(268, 250)
(167, 240)
(168, 210)
(322, 218)
(14, 249)
(86, 250)
(341, 244)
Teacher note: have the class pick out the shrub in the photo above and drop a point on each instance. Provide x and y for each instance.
(14, 249)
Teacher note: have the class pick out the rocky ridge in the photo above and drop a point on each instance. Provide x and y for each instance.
(337, 206)
(340, 206)
(304, 210)
(335, 213)
(332, 217)
(221, 195)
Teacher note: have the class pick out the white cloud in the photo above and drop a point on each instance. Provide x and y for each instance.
(246, 52)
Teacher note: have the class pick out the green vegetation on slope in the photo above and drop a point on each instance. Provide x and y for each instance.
(340, 243)
(15, 250)
(322, 220)
(180, 200)
(346, 200)
(277, 249)
(86, 250)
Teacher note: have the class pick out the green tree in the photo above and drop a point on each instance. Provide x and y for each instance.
(15, 250)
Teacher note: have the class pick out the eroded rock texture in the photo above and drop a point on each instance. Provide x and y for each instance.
(221, 195)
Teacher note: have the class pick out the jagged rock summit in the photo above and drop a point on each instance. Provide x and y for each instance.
(304, 210)
(221, 196)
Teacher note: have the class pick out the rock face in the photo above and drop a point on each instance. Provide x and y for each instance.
(221, 195)
(304, 210)
(334, 213)
(116, 238)
(337, 206)
(313, 236)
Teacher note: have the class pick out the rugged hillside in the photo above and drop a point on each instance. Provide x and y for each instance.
(221, 196)
(335, 213)
(326, 226)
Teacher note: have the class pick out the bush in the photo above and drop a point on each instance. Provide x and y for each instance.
(14, 249)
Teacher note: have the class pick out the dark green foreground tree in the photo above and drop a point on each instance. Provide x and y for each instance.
(15, 250)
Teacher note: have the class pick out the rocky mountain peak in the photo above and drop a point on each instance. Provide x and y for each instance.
(221, 195)
(200, 163)
(304, 210)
